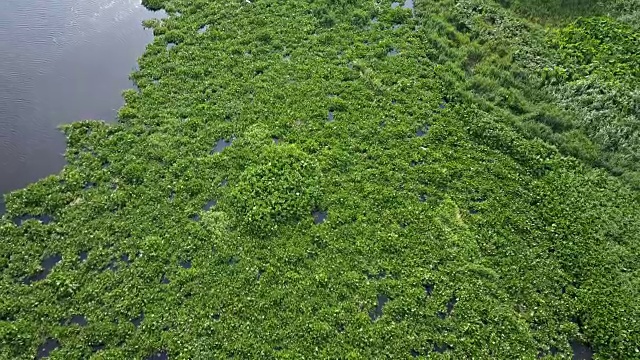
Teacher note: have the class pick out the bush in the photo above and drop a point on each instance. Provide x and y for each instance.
(153, 5)
(278, 190)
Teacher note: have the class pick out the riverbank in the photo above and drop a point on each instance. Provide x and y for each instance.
(340, 180)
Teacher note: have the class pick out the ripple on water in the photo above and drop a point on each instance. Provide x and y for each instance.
(59, 50)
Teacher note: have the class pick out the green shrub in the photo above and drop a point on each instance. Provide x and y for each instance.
(154, 5)
(280, 189)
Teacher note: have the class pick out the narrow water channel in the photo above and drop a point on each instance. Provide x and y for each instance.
(60, 61)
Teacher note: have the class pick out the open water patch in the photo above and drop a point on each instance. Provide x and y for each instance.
(450, 305)
(376, 313)
(79, 320)
(382, 274)
(97, 347)
(395, 4)
(185, 264)
(428, 288)
(138, 320)
(209, 205)
(47, 265)
(44, 219)
(408, 4)
(160, 355)
(392, 52)
(203, 29)
(581, 351)
(164, 279)
(319, 216)
(83, 256)
(437, 348)
(330, 116)
(125, 259)
(220, 145)
(171, 45)
(46, 348)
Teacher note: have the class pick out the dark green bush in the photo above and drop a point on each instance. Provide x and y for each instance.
(279, 190)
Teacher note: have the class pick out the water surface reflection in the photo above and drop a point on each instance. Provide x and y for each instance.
(62, 61)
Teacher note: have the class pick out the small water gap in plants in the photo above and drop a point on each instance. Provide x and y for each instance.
(160, 355)
(44, 219)
(209, 205)
(220, 145)
(319, 216)
(408, 4)
(138, 320)
(376, 313)
(581, 351)
(46, 348)
(47, 265)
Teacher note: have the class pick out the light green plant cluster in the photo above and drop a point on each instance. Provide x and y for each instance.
(471, 211)
(281, 189)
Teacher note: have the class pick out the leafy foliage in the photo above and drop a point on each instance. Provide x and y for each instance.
(279, 190)
(599, 46)
(479, 192)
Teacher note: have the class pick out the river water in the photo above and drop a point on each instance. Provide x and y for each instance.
(60, 61)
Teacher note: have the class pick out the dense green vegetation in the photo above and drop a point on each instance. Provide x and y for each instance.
(477, 163)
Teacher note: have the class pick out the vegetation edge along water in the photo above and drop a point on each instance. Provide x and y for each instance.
(352, 179)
